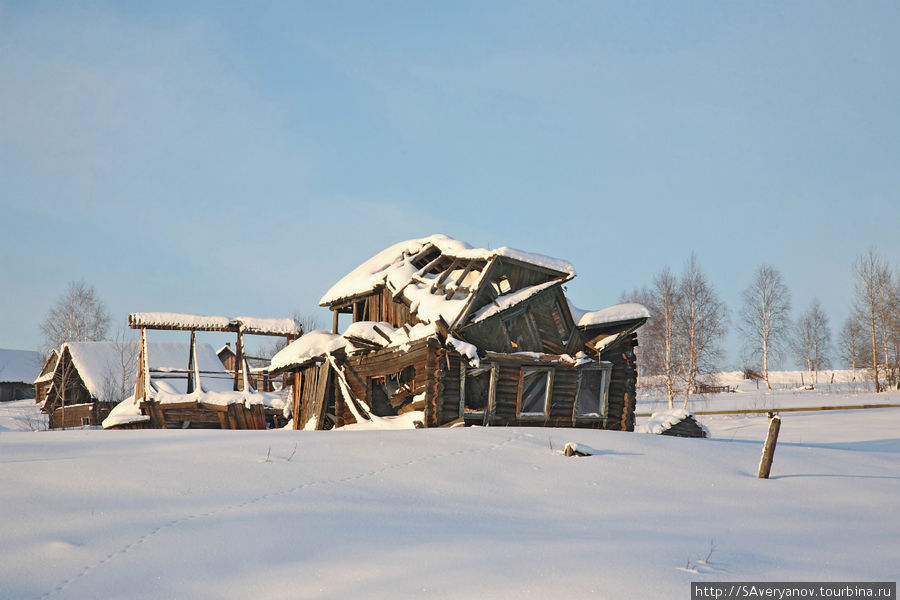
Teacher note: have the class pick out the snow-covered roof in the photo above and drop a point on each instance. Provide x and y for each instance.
(97, 362)
(321, 343)
(127, 411)
(664, 420)
(308, 346)
(19, 366)
(436, 275)
(253, 325)
(606, 316)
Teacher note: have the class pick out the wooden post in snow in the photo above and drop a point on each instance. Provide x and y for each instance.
(238, 358)
(765, 464)
(191, 364)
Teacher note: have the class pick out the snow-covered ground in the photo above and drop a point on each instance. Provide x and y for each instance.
(789, 389)
(450, 513)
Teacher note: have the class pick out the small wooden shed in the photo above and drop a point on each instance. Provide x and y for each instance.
(18, 370)
(204, 401)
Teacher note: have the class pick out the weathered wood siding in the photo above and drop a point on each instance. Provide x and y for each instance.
(547, 313)
(623, 383)
(73, 415)
(198, 415)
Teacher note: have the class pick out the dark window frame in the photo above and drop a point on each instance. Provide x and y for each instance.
(605, 368)
(548, 391)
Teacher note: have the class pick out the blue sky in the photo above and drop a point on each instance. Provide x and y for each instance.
(232, 159)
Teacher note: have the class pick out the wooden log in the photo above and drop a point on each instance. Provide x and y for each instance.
(765, 464)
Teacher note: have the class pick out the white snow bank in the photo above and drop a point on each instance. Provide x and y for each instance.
(19, 366)
(205, 515)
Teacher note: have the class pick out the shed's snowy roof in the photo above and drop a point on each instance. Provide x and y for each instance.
(98, 361)
(127, 411)
(612, 314)
(664, 420)
(253, 325)
(19, 366)
(393, 264)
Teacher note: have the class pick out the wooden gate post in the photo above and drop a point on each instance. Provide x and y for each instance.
(765, 464)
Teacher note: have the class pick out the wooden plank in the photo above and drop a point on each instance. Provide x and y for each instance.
(445, 274)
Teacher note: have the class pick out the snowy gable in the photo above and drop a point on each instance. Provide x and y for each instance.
(19, 366)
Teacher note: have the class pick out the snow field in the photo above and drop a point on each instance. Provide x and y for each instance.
(456, 513)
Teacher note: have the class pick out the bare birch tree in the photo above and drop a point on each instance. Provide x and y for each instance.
(118, 383)
(764, 317)
(700, 325)
(647, 351)
(872, 282)
(659, 347)
(666, 294)
(852, 340)
(78, 316)
(812, 338)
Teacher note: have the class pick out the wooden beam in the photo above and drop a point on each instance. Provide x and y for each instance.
(446, 272)
(238, 360)
(191, 363)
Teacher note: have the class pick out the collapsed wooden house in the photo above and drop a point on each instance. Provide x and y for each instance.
(444, 333)
(205, 400)
(82, 382)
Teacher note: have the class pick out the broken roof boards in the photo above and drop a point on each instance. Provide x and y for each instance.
(439, 279)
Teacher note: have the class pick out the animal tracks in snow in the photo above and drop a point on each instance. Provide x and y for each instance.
(155, 531)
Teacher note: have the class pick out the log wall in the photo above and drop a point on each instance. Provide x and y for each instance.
(623, 383)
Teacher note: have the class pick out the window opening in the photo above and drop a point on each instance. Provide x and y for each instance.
(477, 390)
(502, 285)
(534, 391)
(522, 332)
(390, 393)
(591, 398)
